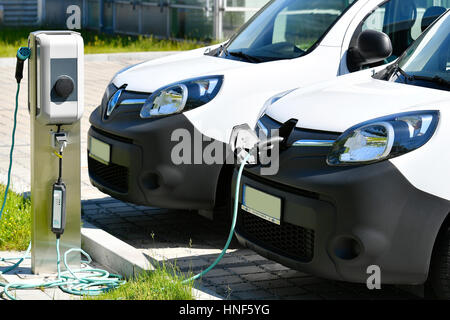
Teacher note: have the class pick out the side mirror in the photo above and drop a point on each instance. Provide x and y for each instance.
(371, 47)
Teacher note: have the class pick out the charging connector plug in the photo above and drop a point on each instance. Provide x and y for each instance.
(242, 140)
(246, 145)
(59, 140)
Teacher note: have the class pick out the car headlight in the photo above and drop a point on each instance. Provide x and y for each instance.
(383, 138)
(182, 96)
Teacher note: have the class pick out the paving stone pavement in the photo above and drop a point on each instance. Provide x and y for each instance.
(192, 243)
(184, 238)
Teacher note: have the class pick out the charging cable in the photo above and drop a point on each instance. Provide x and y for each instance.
(233, 223)
(22, 54)
(11, 152)
(245, 157)
(81, 282)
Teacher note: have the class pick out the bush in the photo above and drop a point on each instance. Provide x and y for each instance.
(13, 38)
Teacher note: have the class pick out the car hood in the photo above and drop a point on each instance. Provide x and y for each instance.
(340, 104)
(152, 75)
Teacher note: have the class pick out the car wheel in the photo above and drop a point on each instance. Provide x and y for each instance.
(438, 283)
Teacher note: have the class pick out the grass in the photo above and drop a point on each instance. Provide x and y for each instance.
(13, 38)
(15, 224)
(164, 283)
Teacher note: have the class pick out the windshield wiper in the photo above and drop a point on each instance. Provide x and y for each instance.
(223, 49)
(245, 56)
(398, 69)
(435, 79)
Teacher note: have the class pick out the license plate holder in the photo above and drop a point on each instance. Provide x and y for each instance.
(99, 150)
(261, 204)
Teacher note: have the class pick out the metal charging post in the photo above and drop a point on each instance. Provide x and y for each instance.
(56, 97)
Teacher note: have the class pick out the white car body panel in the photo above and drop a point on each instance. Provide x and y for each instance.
(253, 84)
(350, 100)
(152, 75)
(338, 105)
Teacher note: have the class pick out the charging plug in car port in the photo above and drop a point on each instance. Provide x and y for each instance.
(244, 142)
(285, 131)
(346, 248)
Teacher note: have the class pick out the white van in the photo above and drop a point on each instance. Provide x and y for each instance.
(363, 175)
(208, 91)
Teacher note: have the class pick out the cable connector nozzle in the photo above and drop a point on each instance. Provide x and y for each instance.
(244, 142)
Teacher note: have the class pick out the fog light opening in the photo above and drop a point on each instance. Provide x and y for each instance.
(347, 248)
(151, 181)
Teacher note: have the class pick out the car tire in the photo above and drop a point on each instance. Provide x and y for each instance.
(438, 283)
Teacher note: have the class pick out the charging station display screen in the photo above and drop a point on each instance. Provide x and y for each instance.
(261, 204)
(57, 208)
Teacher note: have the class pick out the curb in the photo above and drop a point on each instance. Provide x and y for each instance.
(121, 56)
(7, 62)
(112, 252)
(123, 258)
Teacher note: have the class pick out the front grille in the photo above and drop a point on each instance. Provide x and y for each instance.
(112, 176)
(300, 133)
(286, 239)
(111, 136)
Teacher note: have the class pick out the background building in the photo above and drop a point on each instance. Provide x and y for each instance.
(200, 19)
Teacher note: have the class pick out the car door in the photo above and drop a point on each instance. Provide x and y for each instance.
(402, 20)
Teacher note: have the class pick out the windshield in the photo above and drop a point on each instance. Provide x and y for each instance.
(285, 29)
(427, 61)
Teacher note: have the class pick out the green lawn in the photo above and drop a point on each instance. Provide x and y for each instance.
(13, 38)
(15, 224)
(164, 283)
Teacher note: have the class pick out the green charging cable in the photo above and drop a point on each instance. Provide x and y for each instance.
(233, 224)
(81, 282)
(11, 151)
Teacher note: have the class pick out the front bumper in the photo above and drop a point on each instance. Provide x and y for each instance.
(338, 221)
(141, 169)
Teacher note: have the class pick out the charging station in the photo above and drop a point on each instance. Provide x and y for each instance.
(56, 103)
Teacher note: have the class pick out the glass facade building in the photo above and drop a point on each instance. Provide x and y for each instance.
(199, 19)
